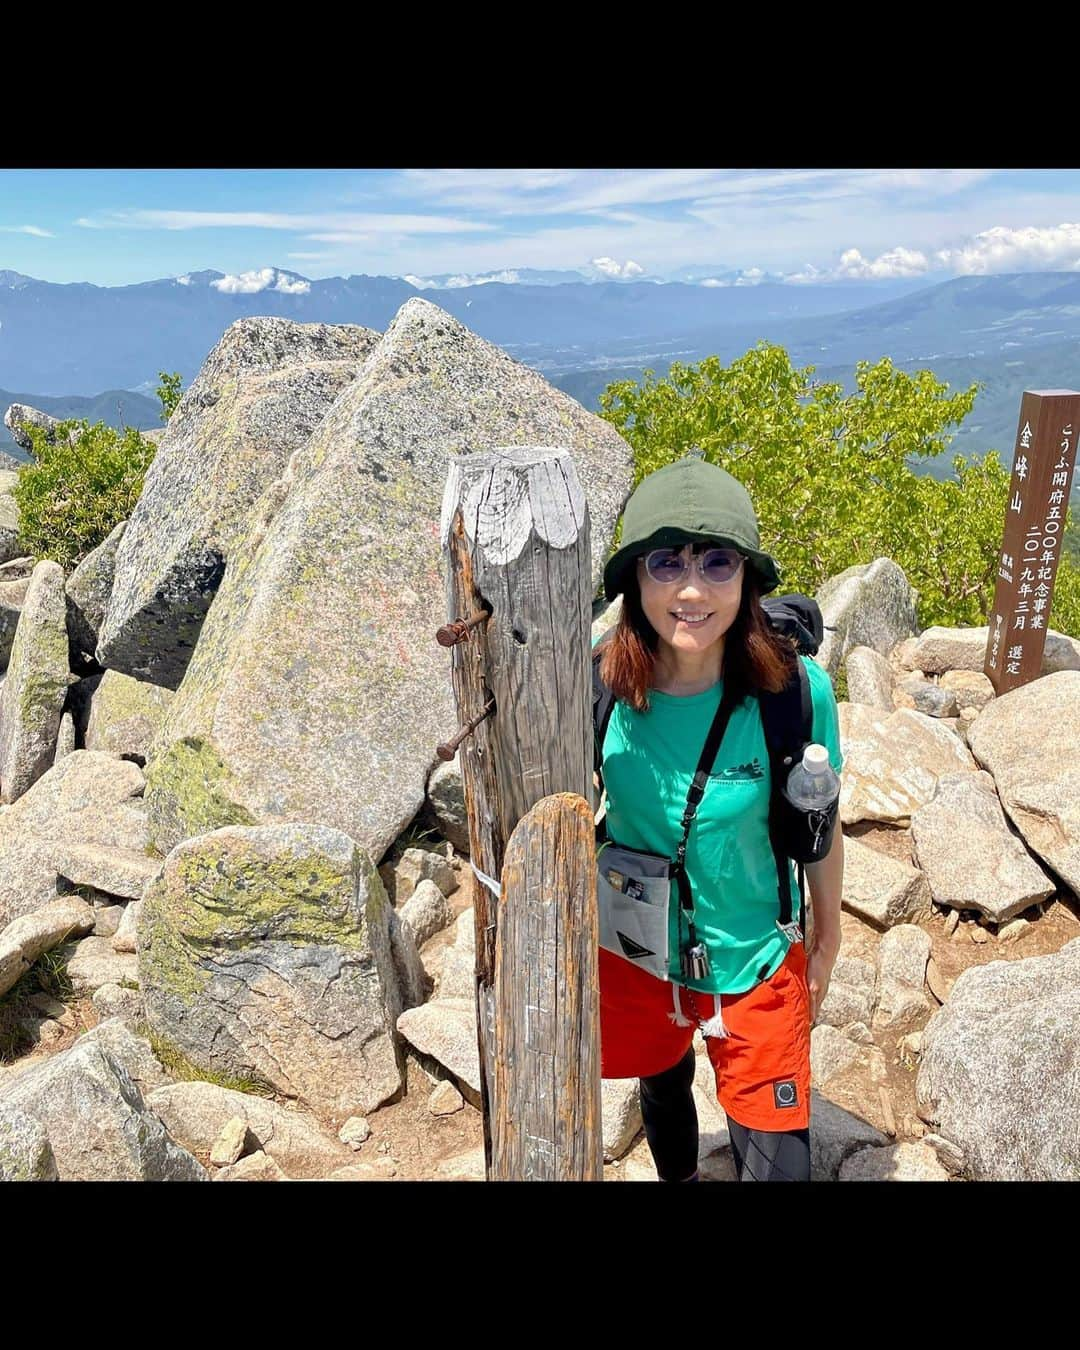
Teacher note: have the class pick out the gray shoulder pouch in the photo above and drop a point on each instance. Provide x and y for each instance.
(632, 893)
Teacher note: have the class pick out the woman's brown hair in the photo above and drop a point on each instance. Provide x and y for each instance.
(756, 656)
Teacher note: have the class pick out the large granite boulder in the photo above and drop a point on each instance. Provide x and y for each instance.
(260, 394)
(87, 800)
(10, 543)
(317, 691)
(1029, 739)
(125, 715)
(12, 599)
(32, 698)
(25, 939)
(196, 1113)
(88, 590)
(999, 1075)
(940, 649)
(892, 762)
(883, 890)
(98, 1127)
(868, 605)
(25, 1154)
(870, 678)
(20, 416)
(971, 859)
(265, 953)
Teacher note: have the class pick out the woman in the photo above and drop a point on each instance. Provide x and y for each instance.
(691, 574)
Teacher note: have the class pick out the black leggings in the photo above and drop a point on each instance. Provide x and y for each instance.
(671, 1127)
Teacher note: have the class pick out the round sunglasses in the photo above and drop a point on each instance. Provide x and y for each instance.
(714, 565)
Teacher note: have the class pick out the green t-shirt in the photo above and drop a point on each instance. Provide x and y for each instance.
(649, 764)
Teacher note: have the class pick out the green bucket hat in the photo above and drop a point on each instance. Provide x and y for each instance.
(690, 501)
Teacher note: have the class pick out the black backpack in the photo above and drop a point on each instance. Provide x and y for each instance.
(787, 718)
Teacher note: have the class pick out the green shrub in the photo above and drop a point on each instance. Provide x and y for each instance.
(168, 392)
(81, 482)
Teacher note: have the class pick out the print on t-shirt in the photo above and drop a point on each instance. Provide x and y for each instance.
(739, 773)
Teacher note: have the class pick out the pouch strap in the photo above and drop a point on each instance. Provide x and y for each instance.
(709, 752)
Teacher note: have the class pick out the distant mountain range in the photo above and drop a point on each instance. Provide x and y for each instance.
(1011, 332)
(80, 339)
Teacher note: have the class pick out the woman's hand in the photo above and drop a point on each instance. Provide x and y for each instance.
(820, 959)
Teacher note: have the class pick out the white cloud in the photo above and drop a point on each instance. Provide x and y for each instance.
(266, 278)
(185, 280)
(292, 286)
(715, 281)
(35, 230)
(1030, 248)
(345, 223)
(897, 262)
(752, 276)
(611, 268)
(464, 279)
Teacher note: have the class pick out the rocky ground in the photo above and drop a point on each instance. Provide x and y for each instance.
(433, 1132)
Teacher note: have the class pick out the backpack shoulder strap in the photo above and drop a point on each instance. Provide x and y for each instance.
(788, 721)
(788, 716)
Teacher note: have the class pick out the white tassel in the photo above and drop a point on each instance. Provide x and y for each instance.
(715, 1025)
(677, 1016)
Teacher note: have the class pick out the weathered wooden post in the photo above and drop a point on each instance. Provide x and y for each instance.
(546, 1105)
(516, 532)
(1034, 526)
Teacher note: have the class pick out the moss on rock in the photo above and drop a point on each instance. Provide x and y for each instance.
(189, 792)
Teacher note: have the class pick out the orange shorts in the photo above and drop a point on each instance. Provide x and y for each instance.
(762, 1065)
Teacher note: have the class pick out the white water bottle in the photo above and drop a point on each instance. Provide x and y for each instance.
(814, 784)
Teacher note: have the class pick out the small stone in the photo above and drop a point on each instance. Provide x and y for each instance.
(255, 1167)
(354, 1132)
(1011, 931)
(124, 937)
(910, 1047)
(979, 934)
(230, 1143)
(107, 921)
(468, 1166)
(445, 1100)
(951, 921)
(115, 1000)
(859, 1032)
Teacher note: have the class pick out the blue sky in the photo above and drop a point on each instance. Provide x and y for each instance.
(118, 226)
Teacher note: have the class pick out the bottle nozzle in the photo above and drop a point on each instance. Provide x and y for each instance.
(815, 759)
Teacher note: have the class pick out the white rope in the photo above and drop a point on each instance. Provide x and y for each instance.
(492, 885)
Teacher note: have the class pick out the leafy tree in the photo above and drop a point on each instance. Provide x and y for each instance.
(81, 482)
(168, 392)
(830, 474)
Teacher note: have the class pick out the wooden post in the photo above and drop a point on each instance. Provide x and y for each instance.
(546, 1103)
(1034, 527)
(516, 530)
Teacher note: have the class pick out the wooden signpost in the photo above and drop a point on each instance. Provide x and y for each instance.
(1034, 527)
(516, 534)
